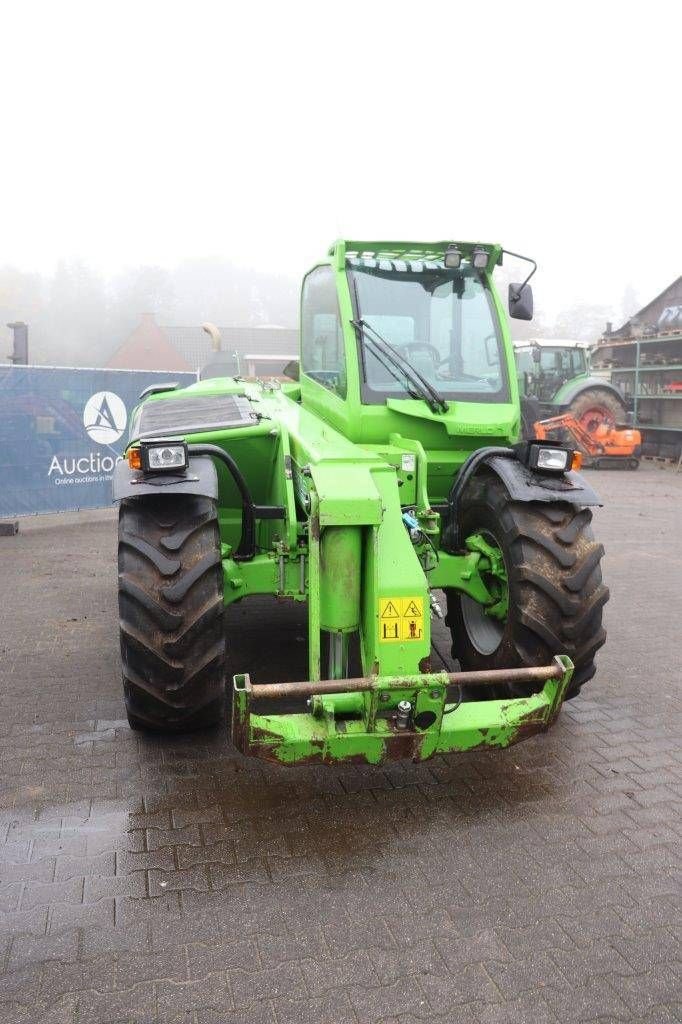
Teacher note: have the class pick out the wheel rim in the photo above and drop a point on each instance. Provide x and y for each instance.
(593, 417)
(485, 631)
(485, 634)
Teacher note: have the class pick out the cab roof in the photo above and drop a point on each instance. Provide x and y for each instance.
(345, 248)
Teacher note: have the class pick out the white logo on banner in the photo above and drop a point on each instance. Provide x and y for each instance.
(105, 417)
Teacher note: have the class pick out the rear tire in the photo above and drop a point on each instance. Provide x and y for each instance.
(556, 594)
(171, 613)
(594, 406)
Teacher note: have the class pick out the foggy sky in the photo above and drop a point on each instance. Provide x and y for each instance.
(153, 132)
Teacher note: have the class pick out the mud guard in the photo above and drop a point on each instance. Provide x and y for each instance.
(572, 390)
(524, 484)
(201, 479)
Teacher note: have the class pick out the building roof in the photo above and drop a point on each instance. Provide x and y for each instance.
(171, 347)
(194, 345)
(148, 348)
(650, 314)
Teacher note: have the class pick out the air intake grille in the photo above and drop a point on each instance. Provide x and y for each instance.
(192, 415)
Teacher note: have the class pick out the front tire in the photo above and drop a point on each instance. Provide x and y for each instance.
(556, 594)
(171, 613)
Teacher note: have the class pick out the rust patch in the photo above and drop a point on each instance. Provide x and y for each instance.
(425, 665)
(315, 527)
(403, 746)
(240, 733)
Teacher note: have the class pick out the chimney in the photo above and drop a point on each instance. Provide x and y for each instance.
(19, 353)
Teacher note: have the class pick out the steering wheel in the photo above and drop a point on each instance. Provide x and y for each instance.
(465, 376)
(422, 346)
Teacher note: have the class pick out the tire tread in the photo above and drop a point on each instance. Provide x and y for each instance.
(171, 613)
(556, 594)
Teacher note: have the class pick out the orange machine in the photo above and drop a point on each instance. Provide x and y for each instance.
(600, 447)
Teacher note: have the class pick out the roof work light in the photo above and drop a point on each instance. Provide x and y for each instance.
(479, 258)
(453, 257)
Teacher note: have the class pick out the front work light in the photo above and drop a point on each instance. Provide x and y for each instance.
(452, 258)
(546, 457)
(555, 460)
(479, 258)
(163, 455)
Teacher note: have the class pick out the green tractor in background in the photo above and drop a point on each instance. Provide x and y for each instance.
(390, 470)
(554, 378)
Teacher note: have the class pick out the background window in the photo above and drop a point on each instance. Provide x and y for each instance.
(323, 355)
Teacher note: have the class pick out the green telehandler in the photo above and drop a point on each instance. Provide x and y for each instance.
(386, 469)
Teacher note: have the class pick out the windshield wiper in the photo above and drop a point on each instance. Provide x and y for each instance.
(402, 378)
(418, 384)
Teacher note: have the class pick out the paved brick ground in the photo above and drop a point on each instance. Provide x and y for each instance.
(168, 880)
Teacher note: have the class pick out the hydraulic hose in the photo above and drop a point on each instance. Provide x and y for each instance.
(450, 539)
(246, 548)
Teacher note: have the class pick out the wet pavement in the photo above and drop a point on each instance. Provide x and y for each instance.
(172, 880)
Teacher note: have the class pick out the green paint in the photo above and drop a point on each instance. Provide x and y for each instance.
(371, 735)
(492, 571)
(344, 469)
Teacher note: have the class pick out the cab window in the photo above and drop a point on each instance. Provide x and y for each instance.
(323, 356)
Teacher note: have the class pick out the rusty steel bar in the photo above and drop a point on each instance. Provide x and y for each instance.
(309, 688)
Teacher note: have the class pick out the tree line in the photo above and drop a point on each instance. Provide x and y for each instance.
(78, 317)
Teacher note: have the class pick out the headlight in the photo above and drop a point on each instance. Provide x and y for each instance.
(162, 455)
(546, 457)
(549, 460)
(557, 460)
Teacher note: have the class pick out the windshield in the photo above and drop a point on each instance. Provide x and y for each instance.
(563, 361)
(441, 321)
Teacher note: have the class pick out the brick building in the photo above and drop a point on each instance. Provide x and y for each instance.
(264, 349)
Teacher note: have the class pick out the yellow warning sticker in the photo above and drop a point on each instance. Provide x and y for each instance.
(400, 619)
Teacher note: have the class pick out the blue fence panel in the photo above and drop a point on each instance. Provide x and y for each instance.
(62, 430)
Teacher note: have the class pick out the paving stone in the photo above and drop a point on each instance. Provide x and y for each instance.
(41, 870)
(135, 967)
(327, 973)
(45, 894)
(333, 1008)
(278, 948)
(261, 1013)
(29, 949)
(136, 1004)
(402, 997)
(539, 885)
(206, 959)
(592, 1000)
(270, 983)
(78, 867)
(59, 979)
(471, 984)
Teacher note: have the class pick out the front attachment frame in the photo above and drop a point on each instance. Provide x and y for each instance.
(359, 720)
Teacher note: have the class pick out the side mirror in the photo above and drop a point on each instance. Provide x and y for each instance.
(292, 370)
(520, 302)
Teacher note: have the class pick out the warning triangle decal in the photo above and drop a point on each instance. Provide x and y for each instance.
(412, 611)
(390, 611)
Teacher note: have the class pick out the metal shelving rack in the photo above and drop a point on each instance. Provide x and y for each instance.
(645, 383)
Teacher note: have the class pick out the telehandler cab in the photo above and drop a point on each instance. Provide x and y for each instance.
(390, 470)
